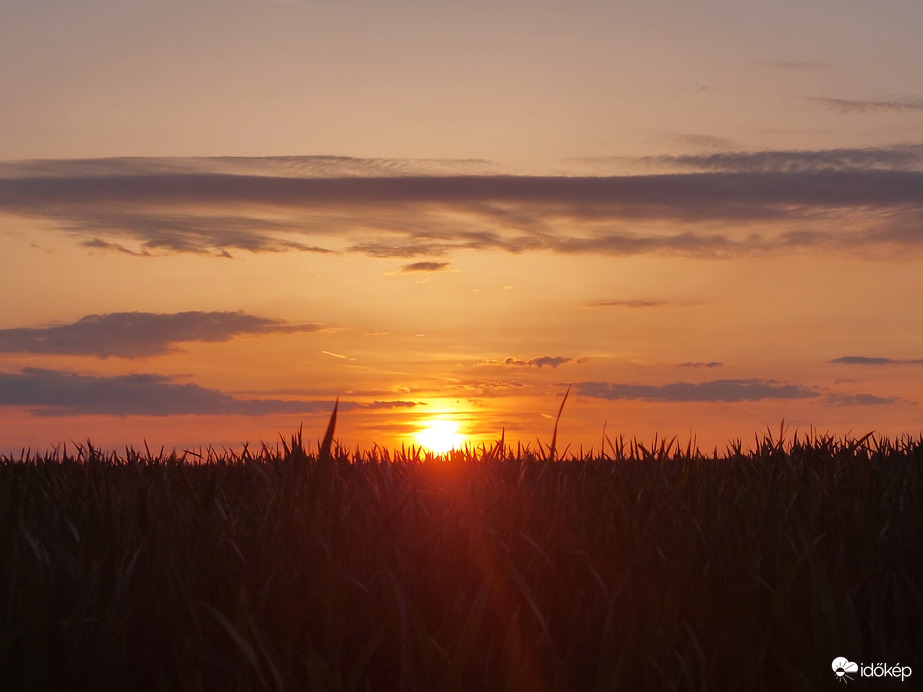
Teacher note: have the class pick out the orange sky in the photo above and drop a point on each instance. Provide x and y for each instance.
(218, 217)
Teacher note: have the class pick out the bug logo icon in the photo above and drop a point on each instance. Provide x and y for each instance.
(842, 667)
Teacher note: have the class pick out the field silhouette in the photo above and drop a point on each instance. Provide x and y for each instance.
(496, 568)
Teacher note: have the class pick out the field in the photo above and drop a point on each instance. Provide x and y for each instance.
(298, 567)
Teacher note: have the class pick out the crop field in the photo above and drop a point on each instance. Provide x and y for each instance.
(303, 567)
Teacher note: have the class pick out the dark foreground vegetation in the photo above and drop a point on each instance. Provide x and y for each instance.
(493, 569)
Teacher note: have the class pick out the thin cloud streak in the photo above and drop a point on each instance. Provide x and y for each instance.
(840, 400)
(636, 303)
(58, 393)
(140, 334)
(539, 362)
(316, 166)
(872, 360)
(50, 393)
(711, 391)
(424, 267)
(848, 106)
(906, 157)
(375, 405)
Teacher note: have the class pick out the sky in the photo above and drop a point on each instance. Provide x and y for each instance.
(218, 216)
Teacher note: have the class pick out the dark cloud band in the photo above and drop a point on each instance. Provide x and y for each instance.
(714, 390)
(665, 195)
(735, 204)
(875, 360)
(57, 393)
(908, 157)
(137, 334)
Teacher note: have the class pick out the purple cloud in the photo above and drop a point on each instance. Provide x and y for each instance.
(139, 334)
(57, 393)
(714, 390)
(874, 360)
(150, 206)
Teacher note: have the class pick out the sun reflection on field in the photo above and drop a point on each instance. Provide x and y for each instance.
(440, 435)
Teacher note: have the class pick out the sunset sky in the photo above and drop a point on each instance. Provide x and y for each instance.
(217, 216)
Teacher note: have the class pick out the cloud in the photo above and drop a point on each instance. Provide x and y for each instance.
(315, 166)
(393, 404)
(139, 334)
(741, 204)
(714, 390)
(424, 267)
(57, 393)
(488, 388)
(185, 232)
(625, 303)
(869, 360)
(104, 245)
(636, 303)
(899, 157)
(859, 400)
(698, 364)
(849, 107)
(540, 362)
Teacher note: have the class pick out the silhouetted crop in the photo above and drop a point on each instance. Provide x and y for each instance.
(496, 568)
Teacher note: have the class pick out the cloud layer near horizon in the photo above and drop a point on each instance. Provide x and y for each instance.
(737, 204)
(713, 390)
(875, 360)
(139, 334)
(58, 393)
(723, 391)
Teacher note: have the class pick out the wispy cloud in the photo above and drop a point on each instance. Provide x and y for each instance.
(272, 166)
(105, 245)
(139, 334)
(488, 388)
(713, 390)
(425, 267)
(907, 157)
(859, 400)
(874, 360)
(735, 205)
(848, 106)
(392, 404)
(638, 303)
(58, 393)
(699, 364)
(540, 362)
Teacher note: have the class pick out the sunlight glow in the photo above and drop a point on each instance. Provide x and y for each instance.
(440, 436)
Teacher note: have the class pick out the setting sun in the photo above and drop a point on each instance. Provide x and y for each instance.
(440, 436)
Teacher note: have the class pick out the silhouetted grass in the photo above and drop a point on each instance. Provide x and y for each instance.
(647, 567)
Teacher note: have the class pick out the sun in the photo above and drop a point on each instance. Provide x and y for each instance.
(440, 436)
